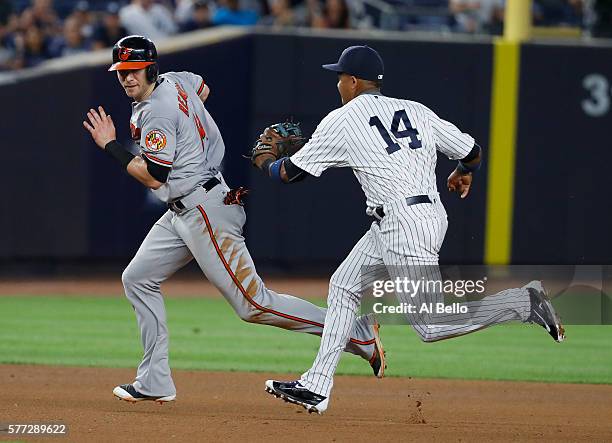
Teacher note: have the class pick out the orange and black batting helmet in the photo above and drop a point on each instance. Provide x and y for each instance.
(135, 52)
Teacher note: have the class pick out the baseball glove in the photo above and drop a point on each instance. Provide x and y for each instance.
(280, 140)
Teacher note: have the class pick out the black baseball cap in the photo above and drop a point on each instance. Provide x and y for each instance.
(360, 61)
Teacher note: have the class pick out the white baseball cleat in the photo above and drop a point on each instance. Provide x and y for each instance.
(129, 393)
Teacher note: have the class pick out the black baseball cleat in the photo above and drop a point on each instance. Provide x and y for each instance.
(542, 311)
(378, 361)
(129, 393)
(294, 392)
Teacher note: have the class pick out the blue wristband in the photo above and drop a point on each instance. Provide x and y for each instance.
(274, 170)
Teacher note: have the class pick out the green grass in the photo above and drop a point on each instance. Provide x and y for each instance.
(206, 334)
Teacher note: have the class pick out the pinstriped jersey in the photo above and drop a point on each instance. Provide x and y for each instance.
(174, 129)
(390, 144)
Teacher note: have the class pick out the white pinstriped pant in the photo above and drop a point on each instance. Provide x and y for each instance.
(407, 240)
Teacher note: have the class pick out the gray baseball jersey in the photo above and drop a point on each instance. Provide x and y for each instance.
(173, 128)
(390, 144)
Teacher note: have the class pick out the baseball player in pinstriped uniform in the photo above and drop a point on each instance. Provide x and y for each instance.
(181, 150)
(390, 144)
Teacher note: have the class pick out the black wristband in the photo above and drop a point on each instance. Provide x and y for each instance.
(465, 169)
(475, 152)
(118, 152)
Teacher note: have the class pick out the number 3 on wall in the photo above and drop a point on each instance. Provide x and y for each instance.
(598, 104)
(415, 138)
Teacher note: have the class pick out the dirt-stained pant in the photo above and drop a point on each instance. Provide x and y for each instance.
(211, 232)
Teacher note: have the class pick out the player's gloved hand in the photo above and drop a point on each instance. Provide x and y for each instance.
(458, 182)
(100, 126)
(277, 141)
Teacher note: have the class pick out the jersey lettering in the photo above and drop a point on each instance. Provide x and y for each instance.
(200, 127)
(182, 99)
(414, 142)
(391, 145)
(415, 139)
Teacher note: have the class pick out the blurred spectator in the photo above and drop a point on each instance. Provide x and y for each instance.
(42, 15)
(183, 11)
(36, 34)
(474, 16)
(71, 41)
(109, 31)
(282, 14)
(334, 14)
(229, 13)
(32, 47)
(82, 14)
(200, 17)
(145, 17)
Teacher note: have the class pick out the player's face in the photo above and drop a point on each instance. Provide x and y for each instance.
(346, 87)
(134, 82)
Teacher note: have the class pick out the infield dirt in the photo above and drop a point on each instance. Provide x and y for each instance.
(214, 406)
(233, 406)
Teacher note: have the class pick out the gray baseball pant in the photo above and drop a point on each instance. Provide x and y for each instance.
(211, 232)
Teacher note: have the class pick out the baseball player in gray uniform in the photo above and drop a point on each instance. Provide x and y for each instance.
(181, 151)
(390, 144)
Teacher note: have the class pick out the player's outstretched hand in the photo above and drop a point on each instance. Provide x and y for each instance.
(100, 126)
(459, 183)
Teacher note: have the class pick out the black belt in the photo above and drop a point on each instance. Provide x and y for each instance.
(414, 200)
(208, 185)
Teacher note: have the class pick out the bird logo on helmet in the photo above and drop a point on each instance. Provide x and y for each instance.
(124, 54)
(133, 52)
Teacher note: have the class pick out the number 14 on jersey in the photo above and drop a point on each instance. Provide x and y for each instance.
(414, 141)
